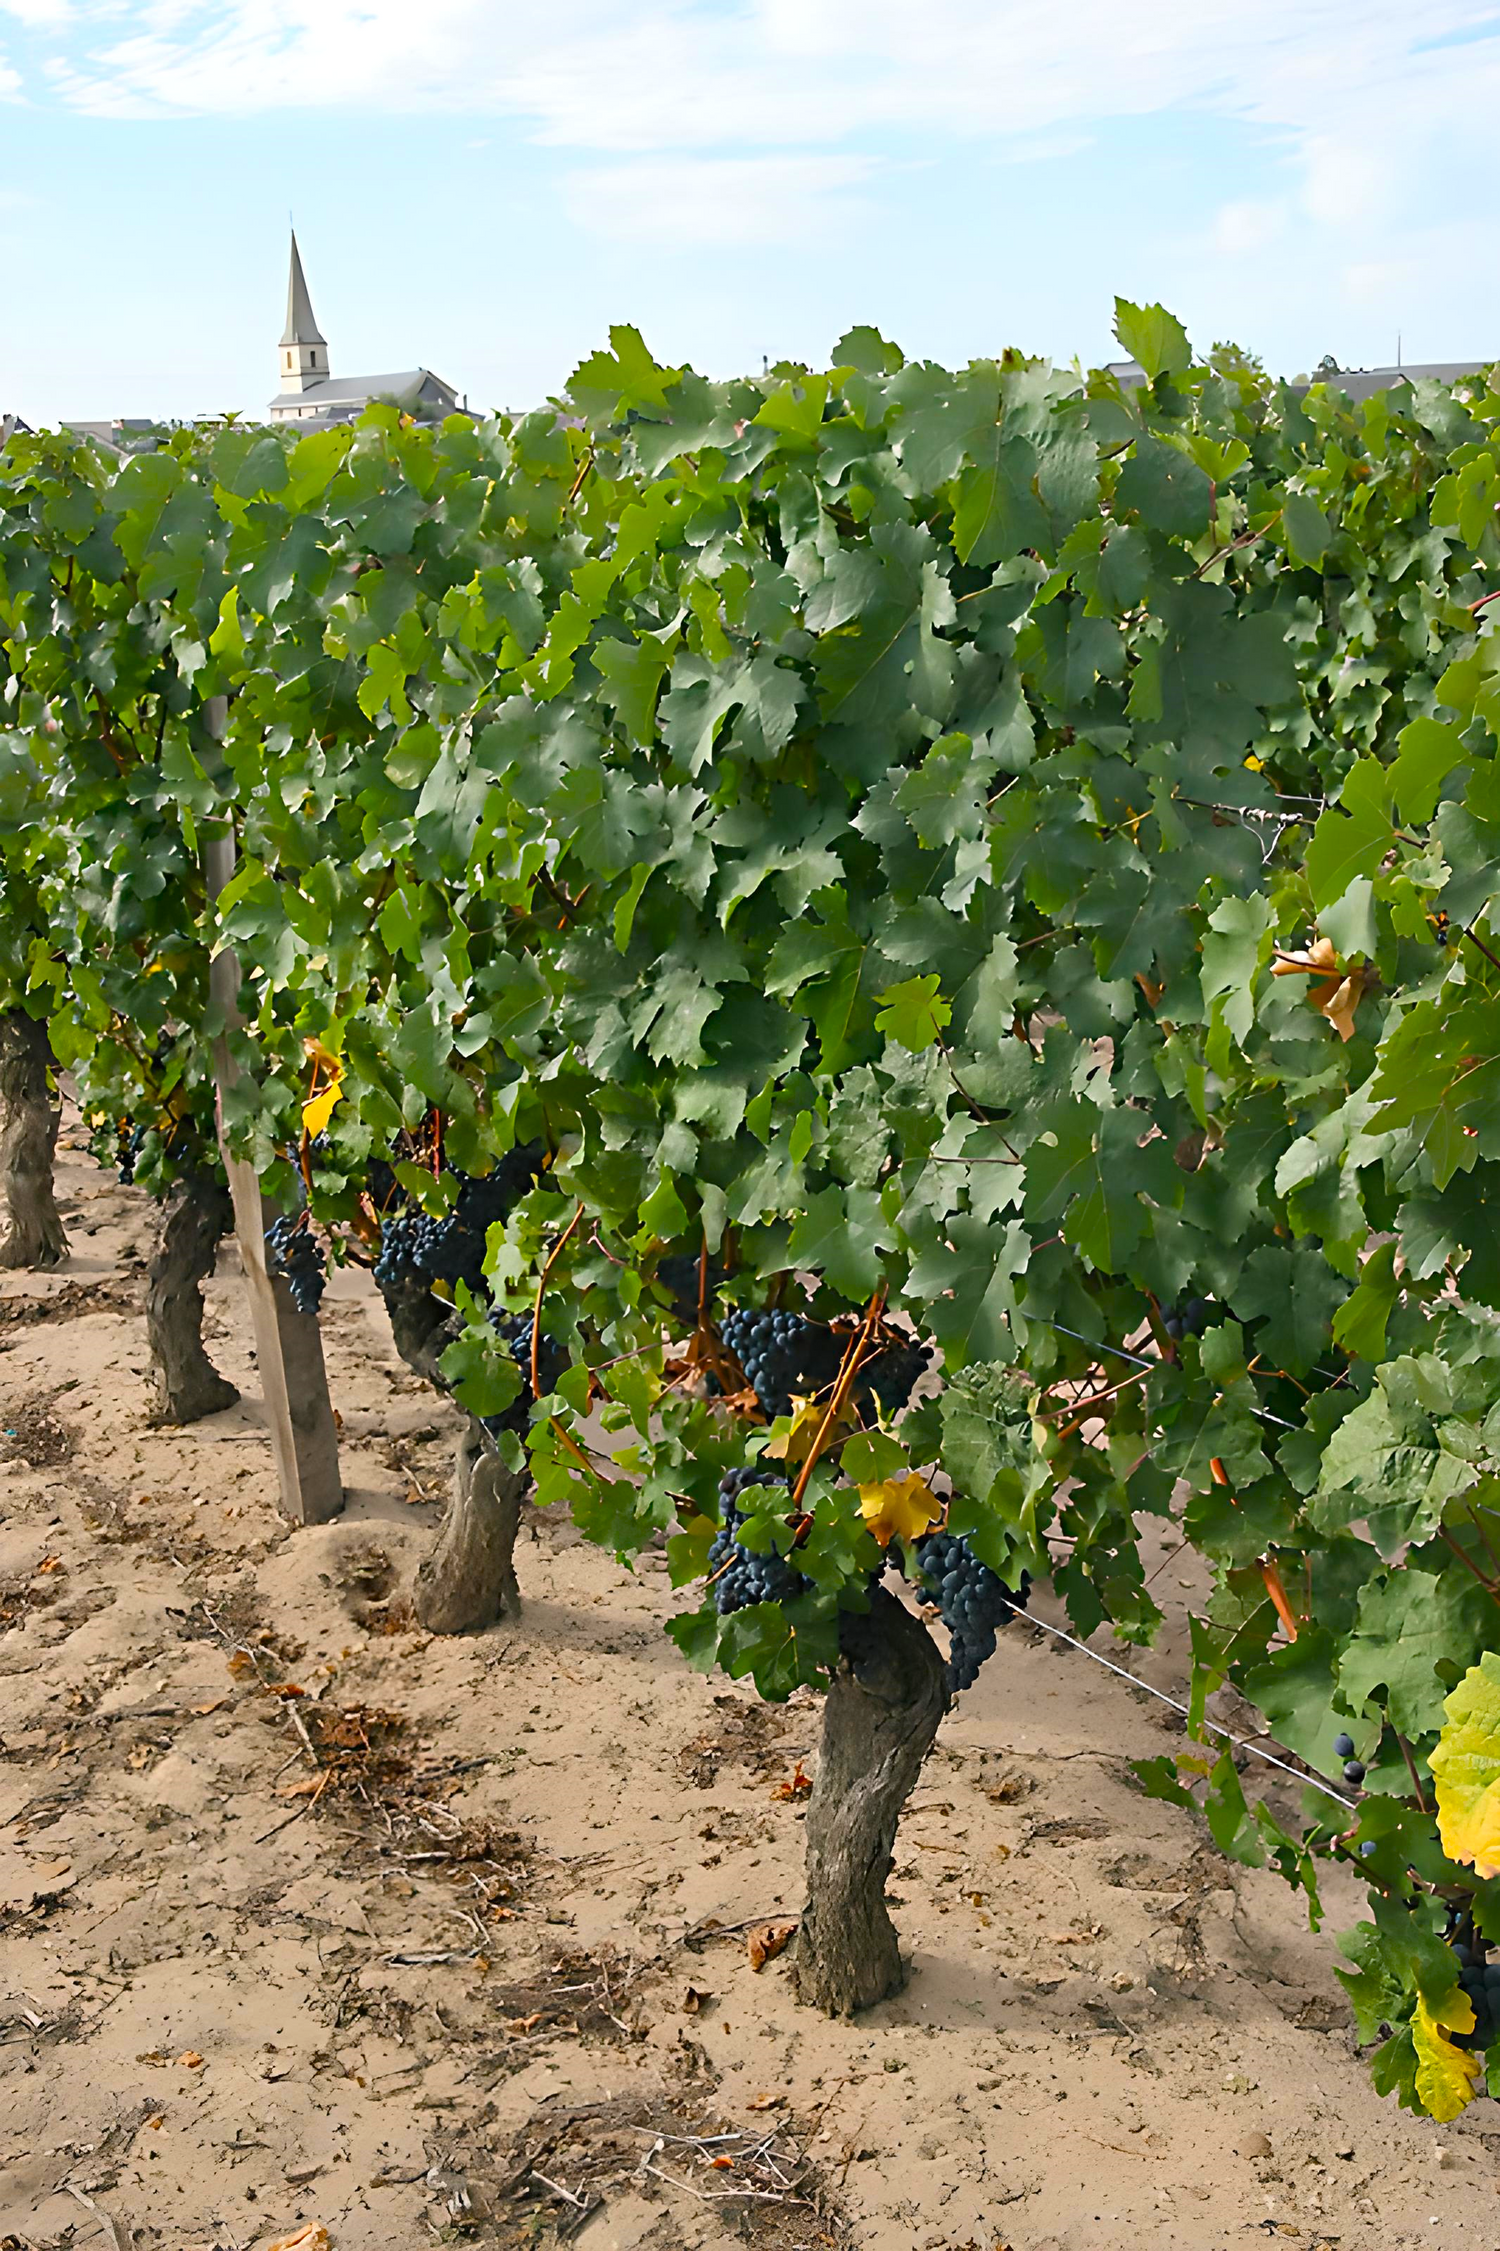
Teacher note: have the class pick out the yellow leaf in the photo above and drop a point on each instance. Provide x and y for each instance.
(1466, 1769)
(899, 1507)
(317, 1112)
(796, 1444)
(324, 1057)
(1447, 2077)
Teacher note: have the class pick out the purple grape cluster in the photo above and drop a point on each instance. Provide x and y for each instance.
(740, 1576)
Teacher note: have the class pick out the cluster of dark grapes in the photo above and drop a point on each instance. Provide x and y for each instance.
(416, 1246)
(1479, 1978)
(891, 1376)
(1188, 1318)
(129, 1140)
(737, 1575)
(786, 1356)
(681, 1274)
(974, 1600)
(515, 1330)
(293, 1251)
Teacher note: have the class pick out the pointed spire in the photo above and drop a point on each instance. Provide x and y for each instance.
(301, 328)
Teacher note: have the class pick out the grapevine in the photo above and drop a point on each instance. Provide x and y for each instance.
(992, 873)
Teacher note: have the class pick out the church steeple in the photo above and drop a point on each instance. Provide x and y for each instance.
(304, 350)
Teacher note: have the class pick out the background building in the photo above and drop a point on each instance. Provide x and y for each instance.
(310, 393)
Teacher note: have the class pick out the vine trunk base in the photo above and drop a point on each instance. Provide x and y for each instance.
(195, 1216)
(879, 1721)
(468, 1582)
(28, 1136)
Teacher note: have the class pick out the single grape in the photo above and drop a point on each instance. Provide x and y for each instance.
(1354, 1770)
(1343, 1746)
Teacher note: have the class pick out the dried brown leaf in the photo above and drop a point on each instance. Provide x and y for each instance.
(766, 1941)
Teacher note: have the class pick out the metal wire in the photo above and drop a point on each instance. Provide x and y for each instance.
(1138, 1360)
(1310, 1781)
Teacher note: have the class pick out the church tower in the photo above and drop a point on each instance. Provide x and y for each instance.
(304, 351)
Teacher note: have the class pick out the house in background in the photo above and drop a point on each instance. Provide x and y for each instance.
(310, 394)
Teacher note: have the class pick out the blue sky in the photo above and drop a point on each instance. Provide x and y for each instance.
(483, 186)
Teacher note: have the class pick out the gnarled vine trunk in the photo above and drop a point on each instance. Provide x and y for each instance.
(468, 1582)
(880, 1717)
(29, 1117)
(197, 1213)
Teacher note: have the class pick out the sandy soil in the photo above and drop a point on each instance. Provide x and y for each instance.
(450, 1944)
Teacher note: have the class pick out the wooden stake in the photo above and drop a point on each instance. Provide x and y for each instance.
(288, 1344)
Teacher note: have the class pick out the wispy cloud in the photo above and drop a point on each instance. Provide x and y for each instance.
(726, 201)
(685, 73)
(695, 101)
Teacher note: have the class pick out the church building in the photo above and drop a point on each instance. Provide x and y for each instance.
(309, 394)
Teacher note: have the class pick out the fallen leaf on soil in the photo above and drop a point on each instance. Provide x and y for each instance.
(202, 1709)
(190, 2060)
(49, 1563)
(721, 2164)
(766, 1941)
(308, 1787)
(139, 1757)
(693, 2001)
(767, 2102)
(286, 1688)
(157, 2122)
(314, 2237)
(800, 1785)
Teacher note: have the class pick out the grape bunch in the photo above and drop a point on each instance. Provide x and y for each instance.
(975, 1602)
(129, 1140)
(737, 1575)
(294, 1252)
(783, 1354)
(681, 1275)
(890, 1376)
(416, 1246)
(1189, 1317)
(1479, 1979)
(515, 1330)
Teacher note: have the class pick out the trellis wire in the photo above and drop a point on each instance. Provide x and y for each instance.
(1310, 1781)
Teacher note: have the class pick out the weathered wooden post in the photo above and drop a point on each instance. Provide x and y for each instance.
(288, 1344)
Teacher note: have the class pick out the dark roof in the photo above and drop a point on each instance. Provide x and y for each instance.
(301, 328)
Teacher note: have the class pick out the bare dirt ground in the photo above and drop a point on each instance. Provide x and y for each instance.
(307, 1920)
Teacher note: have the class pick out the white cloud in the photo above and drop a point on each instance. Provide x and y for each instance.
(1239, 229)
(676, 74)
(738, 120)
(724, 201)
